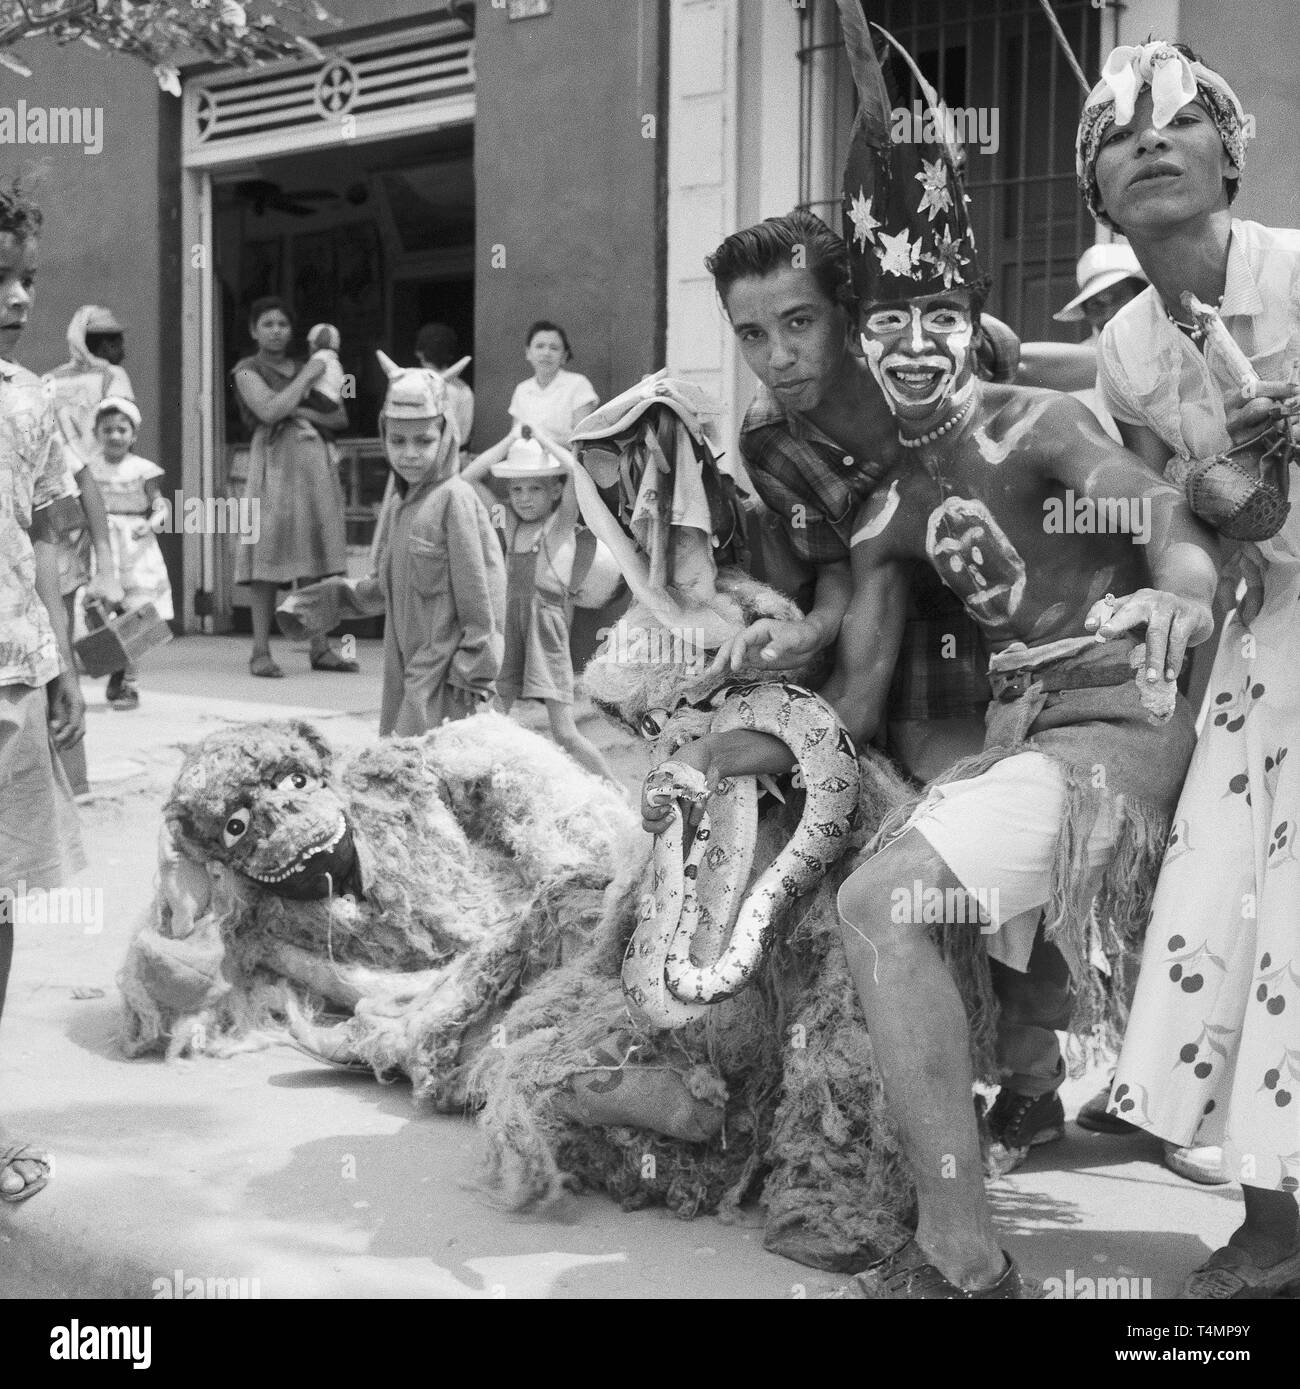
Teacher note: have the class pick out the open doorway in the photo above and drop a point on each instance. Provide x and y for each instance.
(375, 238)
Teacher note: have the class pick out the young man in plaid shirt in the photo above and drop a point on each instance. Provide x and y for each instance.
(816, 441)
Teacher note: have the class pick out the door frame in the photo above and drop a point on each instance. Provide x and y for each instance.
(202, 426)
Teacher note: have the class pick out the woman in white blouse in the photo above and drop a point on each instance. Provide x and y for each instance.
(553, 399)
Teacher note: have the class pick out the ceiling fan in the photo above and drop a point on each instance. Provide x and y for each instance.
(264, 196)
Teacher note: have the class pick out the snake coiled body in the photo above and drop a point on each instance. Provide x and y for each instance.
(686, 954)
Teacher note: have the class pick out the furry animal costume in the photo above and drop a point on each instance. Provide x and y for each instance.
(773, 1088)
(429, 878)
(773, 1092)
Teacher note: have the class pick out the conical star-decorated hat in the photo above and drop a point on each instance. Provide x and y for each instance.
(905, 217)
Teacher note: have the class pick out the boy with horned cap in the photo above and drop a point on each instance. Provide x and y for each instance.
(1087, 741)
(439, 574)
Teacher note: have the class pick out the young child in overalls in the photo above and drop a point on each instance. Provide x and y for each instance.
(548, 559)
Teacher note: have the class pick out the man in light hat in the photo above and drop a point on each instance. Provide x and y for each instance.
(1109, 276)
(1083, 758)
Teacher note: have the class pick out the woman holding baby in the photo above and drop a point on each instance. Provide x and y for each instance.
(292, 478)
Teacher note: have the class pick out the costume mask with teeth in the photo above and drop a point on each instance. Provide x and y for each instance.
(268, 813)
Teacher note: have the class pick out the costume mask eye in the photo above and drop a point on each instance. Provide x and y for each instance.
(652, 722)
(235, 829)
(295, 781)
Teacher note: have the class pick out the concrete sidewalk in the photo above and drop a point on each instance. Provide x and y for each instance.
(316, 1183)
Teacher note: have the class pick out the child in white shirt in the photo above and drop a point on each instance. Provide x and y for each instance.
(137, 513)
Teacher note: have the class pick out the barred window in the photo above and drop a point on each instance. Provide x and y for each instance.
(999, 69)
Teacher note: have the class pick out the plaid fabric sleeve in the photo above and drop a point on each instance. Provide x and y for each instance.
(773, 458)
(942, 663)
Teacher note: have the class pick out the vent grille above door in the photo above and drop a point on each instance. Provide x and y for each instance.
(368, 90)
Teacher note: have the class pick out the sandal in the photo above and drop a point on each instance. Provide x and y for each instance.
(905, 1275)
(23, 1152)
(1229, 1275)
(332, 660)
(125, 696)
(1203, 1164)
(265, 667)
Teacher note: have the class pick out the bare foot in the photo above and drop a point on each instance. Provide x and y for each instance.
(24, 1170)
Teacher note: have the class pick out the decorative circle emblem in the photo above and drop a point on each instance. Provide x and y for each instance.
(205, 114)
(336, 88)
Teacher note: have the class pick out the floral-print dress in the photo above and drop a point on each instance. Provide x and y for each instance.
(1212, 1053)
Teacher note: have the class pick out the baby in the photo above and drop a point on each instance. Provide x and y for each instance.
(324, 341)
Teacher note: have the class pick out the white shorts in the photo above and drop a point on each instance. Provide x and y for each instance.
(998, 834)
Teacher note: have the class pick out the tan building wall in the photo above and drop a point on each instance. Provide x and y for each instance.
(1255, 44)
(101, 238)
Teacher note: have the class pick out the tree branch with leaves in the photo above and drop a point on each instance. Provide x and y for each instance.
(224, 31)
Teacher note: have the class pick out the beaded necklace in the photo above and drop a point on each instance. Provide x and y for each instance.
(950, 424)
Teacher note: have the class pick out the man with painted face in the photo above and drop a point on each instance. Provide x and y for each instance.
(816, 441)
(1001, 491)
(1071, 797)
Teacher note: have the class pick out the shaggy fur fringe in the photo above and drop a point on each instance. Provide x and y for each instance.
(484, 851)
(1083, 919)
(788, 1061)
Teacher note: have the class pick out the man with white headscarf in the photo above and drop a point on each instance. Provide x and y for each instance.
(1209, 399)
(93, 371)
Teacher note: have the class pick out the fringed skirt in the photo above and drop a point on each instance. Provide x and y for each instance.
(1065, 813)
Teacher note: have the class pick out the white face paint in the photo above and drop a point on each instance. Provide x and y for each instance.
(997, 451)
(976, 559)
(876, 524)
(918, 350)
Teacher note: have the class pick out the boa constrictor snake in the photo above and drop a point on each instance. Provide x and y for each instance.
(681, 958)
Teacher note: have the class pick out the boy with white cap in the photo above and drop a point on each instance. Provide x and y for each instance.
(439, 575)
(548, 561)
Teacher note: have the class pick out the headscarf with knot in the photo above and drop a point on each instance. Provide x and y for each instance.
(1174, 80)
